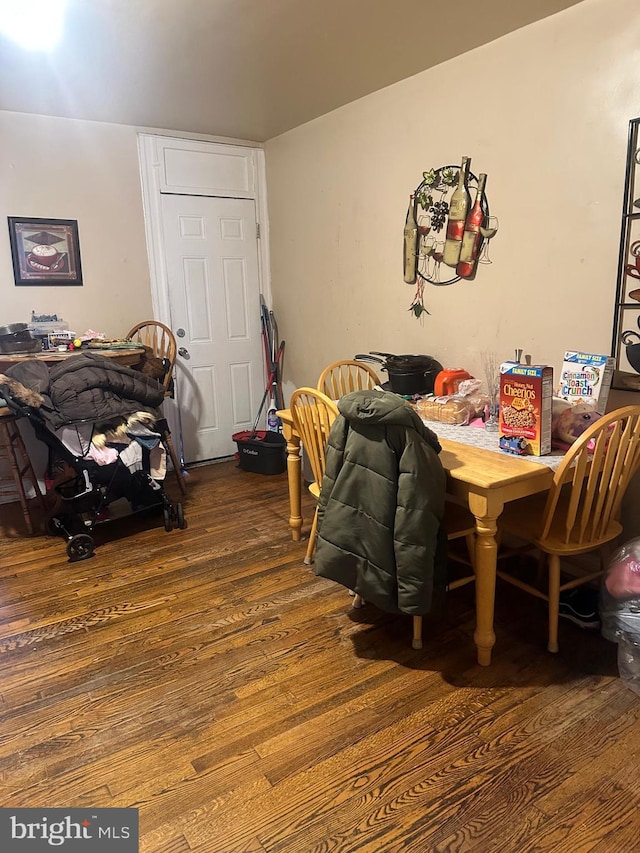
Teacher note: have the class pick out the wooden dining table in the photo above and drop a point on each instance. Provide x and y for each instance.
(128, 357)
(484, 477)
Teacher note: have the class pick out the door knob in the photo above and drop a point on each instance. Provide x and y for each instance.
(184, 352)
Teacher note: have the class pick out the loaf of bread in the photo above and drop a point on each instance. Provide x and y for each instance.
(453, 409)
(446, 410)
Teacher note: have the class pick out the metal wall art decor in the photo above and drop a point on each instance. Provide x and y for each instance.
(447, 229)
(625, 345)
(45, 251)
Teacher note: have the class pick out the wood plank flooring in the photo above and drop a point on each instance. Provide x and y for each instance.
(209, 679)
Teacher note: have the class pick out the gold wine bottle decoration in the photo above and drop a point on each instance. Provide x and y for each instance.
(410, 249)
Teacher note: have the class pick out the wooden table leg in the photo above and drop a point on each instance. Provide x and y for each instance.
(294, 475)
(486, 510)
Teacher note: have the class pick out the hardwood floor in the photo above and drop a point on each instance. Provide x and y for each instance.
(209, 679)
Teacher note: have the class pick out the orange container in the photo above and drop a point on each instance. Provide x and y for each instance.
(447, 381)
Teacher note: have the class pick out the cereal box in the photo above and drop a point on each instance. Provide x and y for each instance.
(526, 393)
(586, 378)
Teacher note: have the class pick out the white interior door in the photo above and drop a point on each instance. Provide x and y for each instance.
(211, 258)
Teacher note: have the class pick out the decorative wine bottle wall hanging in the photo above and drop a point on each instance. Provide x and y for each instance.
(471, 237)
(458, 209)
(451, 214)
(410, 249)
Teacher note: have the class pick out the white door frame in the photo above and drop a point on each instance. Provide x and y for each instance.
(150, 149)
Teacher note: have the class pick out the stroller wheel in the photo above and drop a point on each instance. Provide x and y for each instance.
(182, 523)
(80, 547)
(168, 519)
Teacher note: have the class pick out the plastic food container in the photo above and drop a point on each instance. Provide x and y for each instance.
(447, 381)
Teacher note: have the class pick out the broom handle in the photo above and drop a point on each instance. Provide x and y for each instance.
(264, 400)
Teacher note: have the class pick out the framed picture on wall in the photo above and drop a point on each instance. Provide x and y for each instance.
(45, 251)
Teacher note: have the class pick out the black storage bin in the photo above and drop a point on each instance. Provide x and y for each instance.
(262, 452)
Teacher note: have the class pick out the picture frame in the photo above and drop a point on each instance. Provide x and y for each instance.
(45, 252)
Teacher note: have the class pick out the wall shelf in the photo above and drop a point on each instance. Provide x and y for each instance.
(627, 308)
(625, 381)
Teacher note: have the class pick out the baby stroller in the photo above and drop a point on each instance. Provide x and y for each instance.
(106, 458)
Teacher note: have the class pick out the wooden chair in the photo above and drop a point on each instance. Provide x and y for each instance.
(161, 340)
(313, 414)
(342, 377)
(580, 513)
(14, 452)
(458, 523)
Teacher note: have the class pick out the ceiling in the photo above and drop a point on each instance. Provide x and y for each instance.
(246, 69)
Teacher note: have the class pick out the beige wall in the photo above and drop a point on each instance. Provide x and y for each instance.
(66, 169)
(544, 111)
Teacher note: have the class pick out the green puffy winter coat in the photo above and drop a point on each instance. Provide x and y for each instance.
(382, 503)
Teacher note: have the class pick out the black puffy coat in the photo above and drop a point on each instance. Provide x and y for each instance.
(381, 505)
(88, 386)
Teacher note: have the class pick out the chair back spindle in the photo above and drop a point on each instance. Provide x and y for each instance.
(593, 477)
(160, 339)
(342, 377)
(313, 414)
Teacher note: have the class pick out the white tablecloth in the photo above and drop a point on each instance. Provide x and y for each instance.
(479, 437)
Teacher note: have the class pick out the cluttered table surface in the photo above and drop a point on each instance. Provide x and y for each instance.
(129, 355)
(479, 473)
(47, 338)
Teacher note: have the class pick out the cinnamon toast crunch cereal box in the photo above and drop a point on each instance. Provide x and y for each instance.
(526, 393)
(586, 378)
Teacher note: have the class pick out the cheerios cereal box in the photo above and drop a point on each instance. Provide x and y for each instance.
(586, 378)
(526, 393)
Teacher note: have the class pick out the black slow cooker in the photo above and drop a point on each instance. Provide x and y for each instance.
(408, 374)
(16, 338)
